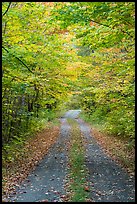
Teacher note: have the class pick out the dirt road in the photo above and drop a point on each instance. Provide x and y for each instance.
(108, 182)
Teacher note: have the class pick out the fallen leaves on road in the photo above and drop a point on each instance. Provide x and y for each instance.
(44, 201)
(34, 150)
(86, 188)
(117, 149)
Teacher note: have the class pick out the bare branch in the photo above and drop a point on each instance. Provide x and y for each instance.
(18, 59)
(110, 27)
(7, 9)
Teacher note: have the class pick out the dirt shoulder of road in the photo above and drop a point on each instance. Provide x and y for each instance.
(34, 150)
(117, 148)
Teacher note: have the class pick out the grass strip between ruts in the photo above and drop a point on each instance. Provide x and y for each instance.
(77, 171)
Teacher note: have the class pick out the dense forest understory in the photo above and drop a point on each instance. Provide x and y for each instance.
(67, 55)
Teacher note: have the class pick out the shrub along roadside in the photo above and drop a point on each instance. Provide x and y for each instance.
(77, 169)
(36, 125)
(28, 149)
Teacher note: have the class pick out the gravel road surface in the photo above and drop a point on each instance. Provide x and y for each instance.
(46, 182)
(108, 181)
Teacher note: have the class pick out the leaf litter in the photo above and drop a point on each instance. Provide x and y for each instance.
(34, 150)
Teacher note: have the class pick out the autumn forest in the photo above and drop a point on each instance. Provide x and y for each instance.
(58, 56)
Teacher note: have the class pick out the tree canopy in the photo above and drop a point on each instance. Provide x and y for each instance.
(54, 50)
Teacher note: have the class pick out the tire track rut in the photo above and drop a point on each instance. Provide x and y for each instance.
(46, 182)
(108, 181)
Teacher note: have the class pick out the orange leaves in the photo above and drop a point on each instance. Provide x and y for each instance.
(34, 151)
(86, 188)
(92, 23)
(44, 201)
(66, 85)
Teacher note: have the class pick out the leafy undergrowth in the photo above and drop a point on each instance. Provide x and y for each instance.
(27, 159)
(78, 184)
(116, 147)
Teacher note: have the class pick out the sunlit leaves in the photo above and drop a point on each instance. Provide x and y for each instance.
(72, 46)
(33, 63)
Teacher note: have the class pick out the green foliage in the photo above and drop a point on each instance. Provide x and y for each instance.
(33, 60)
(73, 103)
(56, 52)
(11, 150)
(52, 51)
(106, 84)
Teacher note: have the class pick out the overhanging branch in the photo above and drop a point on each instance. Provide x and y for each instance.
(110, 27)
(18, 59)
(6, 9)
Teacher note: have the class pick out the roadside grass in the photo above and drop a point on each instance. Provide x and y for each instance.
(77, 171)
(117, 147)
